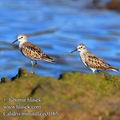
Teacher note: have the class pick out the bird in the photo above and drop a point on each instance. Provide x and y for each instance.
(31, 51)
(92, 61)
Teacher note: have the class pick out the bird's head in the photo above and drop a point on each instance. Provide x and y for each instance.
(21, 38)
(80, 48)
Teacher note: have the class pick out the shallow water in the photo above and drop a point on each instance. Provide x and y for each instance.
(98, 29)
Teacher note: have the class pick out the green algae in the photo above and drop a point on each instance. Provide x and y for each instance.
(75, 96)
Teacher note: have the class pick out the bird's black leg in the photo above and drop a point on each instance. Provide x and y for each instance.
(35, 62)
(33, 65)
(98, 71)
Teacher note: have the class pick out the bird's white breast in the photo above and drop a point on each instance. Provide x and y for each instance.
(83, 57)
(21, 44)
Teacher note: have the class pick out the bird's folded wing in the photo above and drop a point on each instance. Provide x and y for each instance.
(95, 62)
(32, 51)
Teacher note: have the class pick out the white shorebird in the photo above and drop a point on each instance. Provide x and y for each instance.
(92, 61)
(31, 51)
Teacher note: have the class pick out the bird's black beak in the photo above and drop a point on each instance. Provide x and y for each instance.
(74, 51)
(14, 41)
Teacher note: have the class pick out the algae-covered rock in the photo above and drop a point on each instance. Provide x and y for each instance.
(21, 73)
(74, 96)
(4, 80)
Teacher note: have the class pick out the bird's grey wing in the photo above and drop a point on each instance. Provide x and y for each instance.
(95, 62)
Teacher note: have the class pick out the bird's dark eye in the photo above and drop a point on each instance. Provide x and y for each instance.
(21, 37)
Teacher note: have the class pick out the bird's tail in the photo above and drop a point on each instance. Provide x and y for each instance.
(114, 68)
(48, 58)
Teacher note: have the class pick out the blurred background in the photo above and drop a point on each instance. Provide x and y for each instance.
(95, 23)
